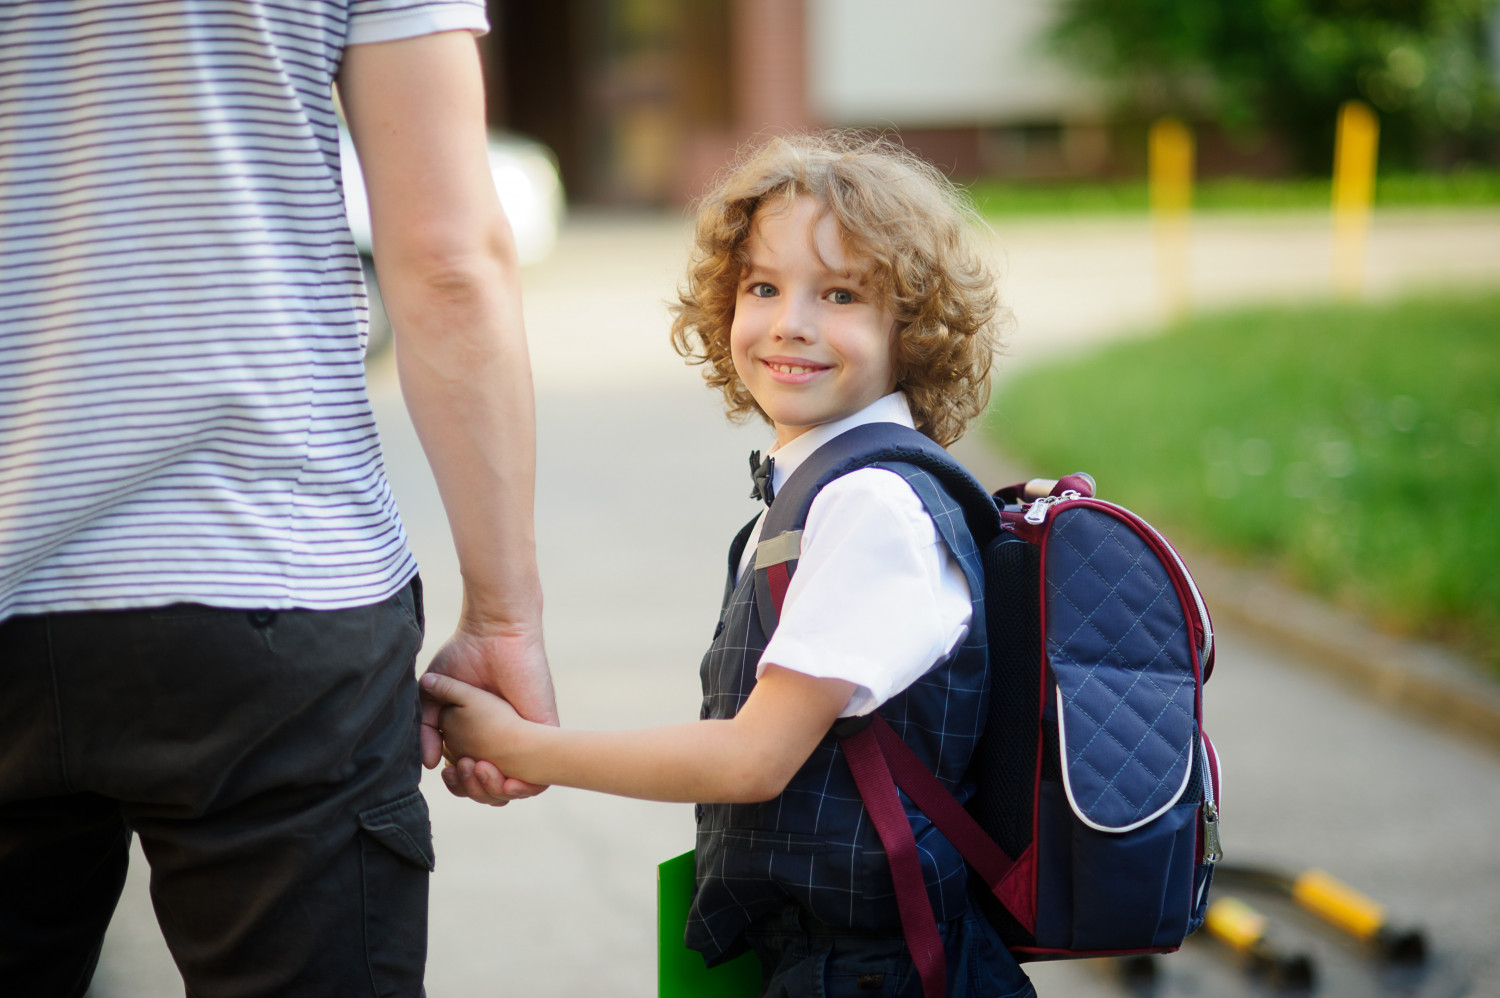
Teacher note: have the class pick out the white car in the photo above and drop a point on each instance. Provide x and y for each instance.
(530, 189)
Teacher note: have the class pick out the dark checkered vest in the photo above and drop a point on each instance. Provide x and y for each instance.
(814, 844)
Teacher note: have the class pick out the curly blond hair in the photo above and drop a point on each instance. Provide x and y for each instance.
(913, 229)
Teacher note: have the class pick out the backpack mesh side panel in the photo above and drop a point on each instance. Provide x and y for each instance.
(1004, 762)
(1051, 752)
(1194, 792)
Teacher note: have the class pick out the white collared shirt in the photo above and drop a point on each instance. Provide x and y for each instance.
(877, 599)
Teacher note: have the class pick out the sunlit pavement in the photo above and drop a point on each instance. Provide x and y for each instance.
(641, 483)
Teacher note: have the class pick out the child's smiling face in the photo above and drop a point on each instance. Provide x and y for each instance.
(809, 339)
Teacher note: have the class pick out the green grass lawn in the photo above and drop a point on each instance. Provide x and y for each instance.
(1462, 188)
(1353, 449)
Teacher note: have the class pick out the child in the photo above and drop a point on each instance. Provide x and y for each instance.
(833, 284)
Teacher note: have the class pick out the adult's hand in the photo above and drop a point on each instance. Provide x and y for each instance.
(510, 663)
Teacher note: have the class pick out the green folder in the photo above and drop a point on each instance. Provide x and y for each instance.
(680, 972)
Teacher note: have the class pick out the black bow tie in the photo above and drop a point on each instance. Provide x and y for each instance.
(760, 470)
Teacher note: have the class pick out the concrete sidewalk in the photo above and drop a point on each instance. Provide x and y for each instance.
(555, 897)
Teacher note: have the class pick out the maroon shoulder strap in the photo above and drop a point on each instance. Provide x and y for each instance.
(1002, 874)
(880, 762)
(918, 924)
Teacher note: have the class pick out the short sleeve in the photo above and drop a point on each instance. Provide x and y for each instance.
(391, 20)
(877, 598)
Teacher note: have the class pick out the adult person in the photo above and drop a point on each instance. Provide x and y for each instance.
(208, 613)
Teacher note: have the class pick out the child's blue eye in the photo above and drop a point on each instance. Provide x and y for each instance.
(762, 290)
(841, 297)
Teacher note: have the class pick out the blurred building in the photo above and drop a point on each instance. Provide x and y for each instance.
(643, 100)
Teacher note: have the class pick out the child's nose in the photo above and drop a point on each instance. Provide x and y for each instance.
(794, 321)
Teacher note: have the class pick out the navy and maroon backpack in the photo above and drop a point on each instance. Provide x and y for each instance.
(1094, 825)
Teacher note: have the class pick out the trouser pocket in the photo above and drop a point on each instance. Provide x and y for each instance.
(395, 859)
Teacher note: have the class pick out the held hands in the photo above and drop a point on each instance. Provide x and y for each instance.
(476, 685)
(474, 725)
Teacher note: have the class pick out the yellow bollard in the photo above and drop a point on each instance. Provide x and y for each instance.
(1339, 904)
(1353, 191)
(1334, 902)
(1243, 929)
(1236, 924)
(1362, 917)
(1170, 155)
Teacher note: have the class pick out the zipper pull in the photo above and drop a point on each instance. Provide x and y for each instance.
(1212, 850)
(1036, 513)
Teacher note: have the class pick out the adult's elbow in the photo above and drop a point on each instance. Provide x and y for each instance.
(450, 267)
(456, 282)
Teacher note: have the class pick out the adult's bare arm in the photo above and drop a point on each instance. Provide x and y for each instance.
(449, 277)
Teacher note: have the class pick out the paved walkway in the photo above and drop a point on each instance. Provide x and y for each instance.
(554, 897)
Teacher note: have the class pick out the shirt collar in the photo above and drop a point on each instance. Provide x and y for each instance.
(892, 408)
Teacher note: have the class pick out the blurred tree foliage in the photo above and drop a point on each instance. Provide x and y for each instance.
(1284, 66)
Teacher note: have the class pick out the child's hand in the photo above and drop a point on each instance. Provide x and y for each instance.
(512, 666)
(474, 723)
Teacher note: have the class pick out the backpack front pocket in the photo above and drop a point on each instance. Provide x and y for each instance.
(1122, 680)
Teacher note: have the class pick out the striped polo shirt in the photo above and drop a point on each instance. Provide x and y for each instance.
(183, 414)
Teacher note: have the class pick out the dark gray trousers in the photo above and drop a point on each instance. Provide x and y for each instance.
(267, 760)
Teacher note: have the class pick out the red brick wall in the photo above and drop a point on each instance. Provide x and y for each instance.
(768, 40)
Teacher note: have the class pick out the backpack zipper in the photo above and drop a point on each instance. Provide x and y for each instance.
(1213, 851)
(1036, 513)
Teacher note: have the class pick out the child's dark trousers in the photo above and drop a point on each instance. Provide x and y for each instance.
(802, 957)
